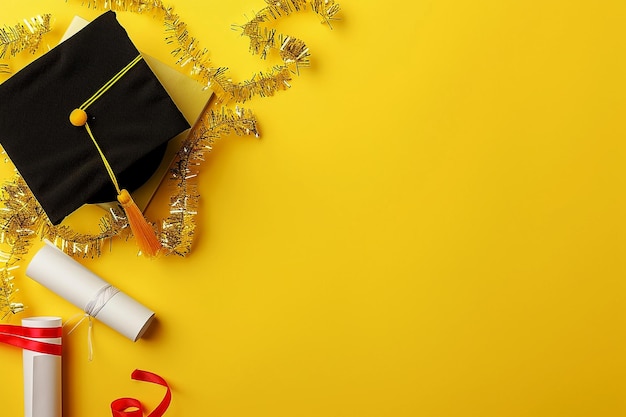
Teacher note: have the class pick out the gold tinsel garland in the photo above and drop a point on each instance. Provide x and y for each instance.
(21, 217)
(24, 36)
(17, 225)
(188, 52)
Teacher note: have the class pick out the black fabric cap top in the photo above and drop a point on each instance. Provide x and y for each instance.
(132, 121)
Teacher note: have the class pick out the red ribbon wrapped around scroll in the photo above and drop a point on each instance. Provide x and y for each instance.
(121, 406)
(21, 337)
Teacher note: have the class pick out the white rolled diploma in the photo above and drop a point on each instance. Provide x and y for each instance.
(42, 374)
(69, 279)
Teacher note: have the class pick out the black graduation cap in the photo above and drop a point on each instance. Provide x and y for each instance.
(129, 119)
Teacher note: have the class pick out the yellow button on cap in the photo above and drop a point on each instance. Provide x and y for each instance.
(78, 117)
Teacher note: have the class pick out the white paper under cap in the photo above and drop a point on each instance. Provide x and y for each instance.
(72, 281)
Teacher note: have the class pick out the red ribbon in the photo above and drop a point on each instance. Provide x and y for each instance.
(120, 406)
(16, 336)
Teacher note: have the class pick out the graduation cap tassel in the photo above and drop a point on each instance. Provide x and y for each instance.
(143, 232)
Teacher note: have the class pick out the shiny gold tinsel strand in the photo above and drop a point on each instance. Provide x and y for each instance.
(293, 51)
(178, 229)
(83, 245)
(20, 217)
(189, 54)
(22, 37)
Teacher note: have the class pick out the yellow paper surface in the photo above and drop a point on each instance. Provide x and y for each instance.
(432, 224)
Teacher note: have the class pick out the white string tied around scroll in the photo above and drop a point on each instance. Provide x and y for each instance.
(92, 308)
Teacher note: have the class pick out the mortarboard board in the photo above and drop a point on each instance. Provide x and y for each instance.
(130, 119)
(87, 122)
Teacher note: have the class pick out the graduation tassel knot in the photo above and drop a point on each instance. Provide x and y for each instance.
(78, 117)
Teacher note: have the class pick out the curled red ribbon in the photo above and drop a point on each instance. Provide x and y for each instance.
(16, 336)
(120, 406)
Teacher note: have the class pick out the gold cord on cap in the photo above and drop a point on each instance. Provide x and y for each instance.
(143, 232)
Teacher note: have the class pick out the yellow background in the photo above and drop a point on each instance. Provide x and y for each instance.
(432, 224)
